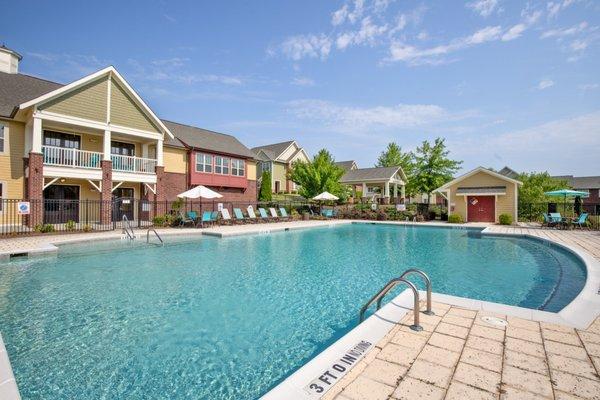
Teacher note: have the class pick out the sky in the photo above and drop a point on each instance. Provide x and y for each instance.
(504, 82)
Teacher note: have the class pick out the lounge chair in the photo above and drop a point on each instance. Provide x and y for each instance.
(284, 214)
(239, 216)
(189, 218)
(226, 216)
(581, 221)
(207, 218)
(252, 215)
(327, 213)
(274, 214)
(263, 214)
(556, 220)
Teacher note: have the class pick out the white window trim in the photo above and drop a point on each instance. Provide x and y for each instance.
(243, 167)
(212, 162)
(222, 165)
(5, 133)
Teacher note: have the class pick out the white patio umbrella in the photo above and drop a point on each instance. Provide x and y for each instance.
(199, 191)
(325, 196)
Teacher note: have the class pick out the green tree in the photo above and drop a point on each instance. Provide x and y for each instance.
(393, 156)
(318, 176)
(432, 167)
(265, 193)
(532, 200)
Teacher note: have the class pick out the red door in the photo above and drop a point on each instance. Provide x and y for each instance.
(481, 208)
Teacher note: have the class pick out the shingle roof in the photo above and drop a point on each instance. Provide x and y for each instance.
(509, 172)
(345, 165)
(581, 182)
(482, 190)
(206, 140)
(369, 174)
(16, 89)
(272, 151)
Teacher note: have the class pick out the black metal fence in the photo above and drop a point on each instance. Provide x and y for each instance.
(533, 212)
(19, 217)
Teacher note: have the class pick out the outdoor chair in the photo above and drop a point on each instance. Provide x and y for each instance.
(327, 213)
(284, 214)
(581, 221)
(187, 219)
(206, 218)
(274, 215)
(263, 214)
(226, 216)
(239, 216)
(252, 215)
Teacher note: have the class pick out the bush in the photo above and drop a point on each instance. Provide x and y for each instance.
(46, 228)
(455, 219)
(159, 220)
(505, 219)
(87, 228)
(264, 193)
(70, 225)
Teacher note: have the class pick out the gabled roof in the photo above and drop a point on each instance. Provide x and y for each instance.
(511, 173)
(110, 70)
(347, 165)
(581, 182)
(372, 174)
(273, 151)
(18, 88)
(187, 136)
(473, 172)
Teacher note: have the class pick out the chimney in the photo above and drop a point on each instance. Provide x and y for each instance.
(9, 60)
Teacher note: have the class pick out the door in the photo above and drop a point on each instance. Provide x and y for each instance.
(481, 209)
(277, 187)
(123, 204)
(61, 204)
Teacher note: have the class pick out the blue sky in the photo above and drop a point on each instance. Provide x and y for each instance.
(505, 82)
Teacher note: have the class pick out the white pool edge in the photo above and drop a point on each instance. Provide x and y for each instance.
(8, 384)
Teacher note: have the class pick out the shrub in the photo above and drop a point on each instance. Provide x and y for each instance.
(159, 220)
(87, 228)
(70, 225)
(45, 228)
(264, 193)
(455, 219)
(505, 219)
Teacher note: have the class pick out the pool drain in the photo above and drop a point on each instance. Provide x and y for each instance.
(494, 321)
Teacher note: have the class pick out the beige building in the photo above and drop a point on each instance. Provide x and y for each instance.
(277, 158)
(482, 195)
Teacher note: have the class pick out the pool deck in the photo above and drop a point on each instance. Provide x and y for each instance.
(456, 356)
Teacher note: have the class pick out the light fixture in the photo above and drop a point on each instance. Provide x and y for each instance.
(62, 180)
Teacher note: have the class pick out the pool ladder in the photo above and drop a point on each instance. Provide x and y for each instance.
(127, 228)
(402, 280)
(156, 233)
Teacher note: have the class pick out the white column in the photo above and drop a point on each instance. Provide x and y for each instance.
(28, 138)
(403, 192)
(364, 191)
(36, 140)
(159, 153)
(395, 190)
(106, 147)
(387, 189)
(145, 150)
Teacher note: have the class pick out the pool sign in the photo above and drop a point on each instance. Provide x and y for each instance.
(23, 208)
(337, 369)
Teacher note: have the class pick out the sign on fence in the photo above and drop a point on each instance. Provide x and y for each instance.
(23, 208)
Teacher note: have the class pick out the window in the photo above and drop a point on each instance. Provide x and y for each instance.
(237, 167)
(122, 149)
(2, 138)
(60, 139)
(203, 163)
(265, 166)
(222, 165)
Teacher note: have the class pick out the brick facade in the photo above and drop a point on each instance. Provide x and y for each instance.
(175, 183)
(35, 188)
(106, 195)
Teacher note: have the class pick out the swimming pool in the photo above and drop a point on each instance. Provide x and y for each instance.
(230, 318)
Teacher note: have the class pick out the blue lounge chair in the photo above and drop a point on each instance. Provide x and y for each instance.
(263, 214)
(239, 216)
(206, 218)
(284, 214)
(274, 215)
(187, 219)
(581, 221)
(328, 213)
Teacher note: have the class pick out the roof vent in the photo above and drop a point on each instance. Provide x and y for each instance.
(9, 60)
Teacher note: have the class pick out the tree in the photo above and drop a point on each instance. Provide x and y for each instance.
(265, 193)
(393, 156)
(532, 200)
(432, 167)
(318, 176)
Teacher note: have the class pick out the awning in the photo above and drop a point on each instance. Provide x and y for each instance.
(481, 191)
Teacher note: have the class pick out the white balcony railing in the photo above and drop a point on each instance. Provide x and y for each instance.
(133, 164)
(65, 157)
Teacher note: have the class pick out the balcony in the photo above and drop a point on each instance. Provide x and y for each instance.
(74, 158)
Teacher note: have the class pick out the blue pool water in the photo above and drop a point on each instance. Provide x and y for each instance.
(230, 318)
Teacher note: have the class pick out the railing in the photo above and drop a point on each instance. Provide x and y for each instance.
(392, 284)
(65, 157)
(127, 228)
(156, 233)
(133, 164)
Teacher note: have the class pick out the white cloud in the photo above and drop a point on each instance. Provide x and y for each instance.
(303, 46)
(303, 81)
(514, 32)
(338, 17)
(589, 86)
(172, 70)
(485, 8)
(367, 34)
(357, 13)
(559, 33)
(545, 84)
(555, 7)
(344, 118)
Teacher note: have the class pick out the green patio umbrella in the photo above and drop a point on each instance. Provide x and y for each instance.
(564, 193)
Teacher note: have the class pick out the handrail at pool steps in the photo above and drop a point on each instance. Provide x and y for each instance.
(156, 233)
(395, 282)
(127, 228)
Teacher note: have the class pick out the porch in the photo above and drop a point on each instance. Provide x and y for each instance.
(382, 185)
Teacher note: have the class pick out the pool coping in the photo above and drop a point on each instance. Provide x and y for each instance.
(8, 384)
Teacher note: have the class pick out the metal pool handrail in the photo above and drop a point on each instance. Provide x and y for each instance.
(389, 286)
(126, 225)
(405, 274)
(156, 233)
